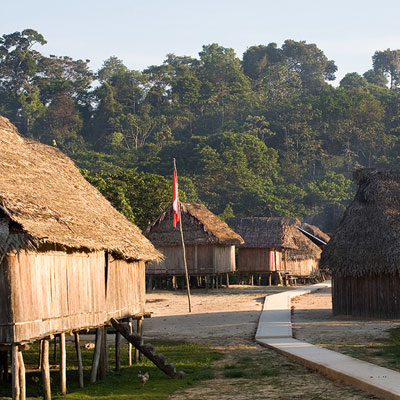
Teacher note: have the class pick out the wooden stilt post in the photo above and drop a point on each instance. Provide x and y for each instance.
(15, 373)
(227, 280)
(46, 370)
(96, 356)
(117, 351)
(140, 332)
(55, 349)
(63, 365)
(130, 328)
(79, 359)
(21, 373)
(103, 354)
(207, 279)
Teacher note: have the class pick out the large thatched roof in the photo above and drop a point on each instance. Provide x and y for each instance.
(260, 232)
(367, 240)
(200, 226)
(48, 201)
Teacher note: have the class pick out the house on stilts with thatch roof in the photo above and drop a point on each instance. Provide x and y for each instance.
(363, 254)
(68, 260)
(274, 246)
(210, 244)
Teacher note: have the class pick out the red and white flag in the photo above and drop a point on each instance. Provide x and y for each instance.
(175, 199)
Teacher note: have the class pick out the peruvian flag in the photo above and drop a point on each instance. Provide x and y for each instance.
(175, 199)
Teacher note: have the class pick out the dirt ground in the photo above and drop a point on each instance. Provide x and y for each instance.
(227, 319)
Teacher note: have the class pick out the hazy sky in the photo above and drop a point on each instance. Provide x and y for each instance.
(141, 33)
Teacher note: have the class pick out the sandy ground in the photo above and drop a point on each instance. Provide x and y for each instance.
(227, 319)
(224, 316)
(313, 322)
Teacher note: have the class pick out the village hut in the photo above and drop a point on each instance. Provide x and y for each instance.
(274, 246)
(315, 234)
(209, 242)
(364, 252)
(68, 260)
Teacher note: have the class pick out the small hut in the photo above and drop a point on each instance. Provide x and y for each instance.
(68, 260)
(364, 252)
(210, 244)
(273, 245)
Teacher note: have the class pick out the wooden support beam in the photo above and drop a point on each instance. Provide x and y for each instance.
(79, 359)
(15, 373)
(130, 330)
(22, 379)
(45, 370)
(227, 280)
(63, 365)
(117, 351)
(96, 356)
(103, 365)
(140, 333)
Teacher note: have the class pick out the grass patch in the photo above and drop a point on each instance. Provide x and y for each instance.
(234, 373)
(193, 359)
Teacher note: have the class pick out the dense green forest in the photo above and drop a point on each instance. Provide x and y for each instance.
(261, 135)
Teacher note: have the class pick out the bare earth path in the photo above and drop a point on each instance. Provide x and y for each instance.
(227, 319)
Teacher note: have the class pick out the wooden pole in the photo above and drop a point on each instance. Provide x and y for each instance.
(79, 359)
(130, 330)
(140, 332)
(117, 351)
(63, 365)
(103, 365)
(46, 370)
(96, 356)
(184, 251)
(21, 373)
(15, 373)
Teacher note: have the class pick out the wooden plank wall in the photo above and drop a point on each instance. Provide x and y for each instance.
(55, 291)
(223, 260)
(257, 260)
(125, 288)
(302, 267)
(201, 260)
(375, 296)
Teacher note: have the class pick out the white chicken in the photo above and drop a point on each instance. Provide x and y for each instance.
(143, 378)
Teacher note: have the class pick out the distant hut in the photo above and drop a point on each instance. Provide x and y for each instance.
(210, 243)
(68, 260)
(315, 234)
(274, 244)
(364, 252)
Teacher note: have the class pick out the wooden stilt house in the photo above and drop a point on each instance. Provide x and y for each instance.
(68, 259)
(364, 251)
(210, 243)
(274, 244)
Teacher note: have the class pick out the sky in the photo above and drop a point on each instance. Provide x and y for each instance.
(142, 33)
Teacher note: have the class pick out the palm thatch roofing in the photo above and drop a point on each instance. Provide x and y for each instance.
(367, 240)
(200, 226)
(45, 199)
(275, 233)
(315, 231)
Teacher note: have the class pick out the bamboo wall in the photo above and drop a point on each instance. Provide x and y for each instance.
(302, 267)
(375, 296)
(259, 260)
(201, 260)
(125, 288)
(54, 291)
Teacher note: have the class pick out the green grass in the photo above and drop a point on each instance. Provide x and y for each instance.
(194, 360)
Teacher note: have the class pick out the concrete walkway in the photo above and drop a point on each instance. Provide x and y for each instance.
(275, 331)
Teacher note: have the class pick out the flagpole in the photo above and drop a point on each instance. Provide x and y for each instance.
(184, 251)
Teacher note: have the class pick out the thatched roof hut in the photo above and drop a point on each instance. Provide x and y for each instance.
(58, 236)
(274, 244)
(209, 242)
(364, 252)
(315, 234)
